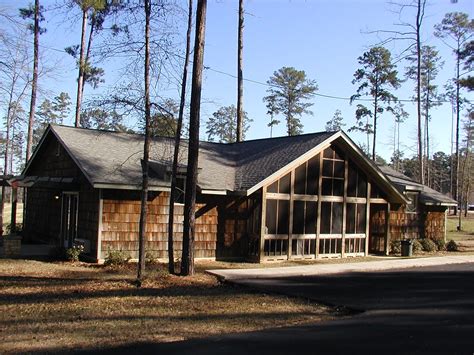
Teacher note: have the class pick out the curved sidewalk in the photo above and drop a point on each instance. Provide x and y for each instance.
(327, 269)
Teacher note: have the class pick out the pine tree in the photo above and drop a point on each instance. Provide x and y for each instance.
(289, 90)
(376, 77)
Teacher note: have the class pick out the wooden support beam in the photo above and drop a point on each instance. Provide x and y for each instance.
(99, 226)
(14, 198)
(344, 208)
(204, 209)
(318, 221)
(387, 230)
(290, 217)
(262, 225)
(367, 220)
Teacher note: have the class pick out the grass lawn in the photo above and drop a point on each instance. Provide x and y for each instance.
(467, 231)
(46, 306)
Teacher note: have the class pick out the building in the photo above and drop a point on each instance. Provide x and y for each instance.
(308, 196)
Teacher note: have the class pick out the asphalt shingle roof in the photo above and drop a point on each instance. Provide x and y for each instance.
(428, 196)
(115, 158)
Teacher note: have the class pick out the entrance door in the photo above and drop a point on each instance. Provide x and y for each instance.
(377, 228)
(69, 213)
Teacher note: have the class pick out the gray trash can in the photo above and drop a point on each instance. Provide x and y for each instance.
(407, 247)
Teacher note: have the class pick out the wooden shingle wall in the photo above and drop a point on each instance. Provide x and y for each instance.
(120, 219)
(435, 225)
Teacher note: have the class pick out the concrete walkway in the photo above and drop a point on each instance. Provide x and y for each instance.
(328, 269)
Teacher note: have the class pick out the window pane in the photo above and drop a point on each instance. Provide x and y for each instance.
(310, 217)
(338, 187)
(326, 188)
(273, 188)
(325, 217)
(338, 154)
(270, 217)
(361, 185)
(361, 218)
(300, 179)
(327, 168)
(284, 187)
(339, 169)
(352, 182)
(328, 153)
(283, 214)
(298, 217)
(336, 218)
(350, 218)
(313, 176)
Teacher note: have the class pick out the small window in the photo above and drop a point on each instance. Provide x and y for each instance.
(413, 202)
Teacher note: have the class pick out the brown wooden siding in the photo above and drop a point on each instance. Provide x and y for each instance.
(120, 219)
(52, 160)
(435, 225)
(88, 217)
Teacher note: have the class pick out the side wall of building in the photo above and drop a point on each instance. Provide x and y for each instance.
(119, 227)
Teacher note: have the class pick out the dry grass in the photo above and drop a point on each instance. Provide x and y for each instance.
(61, 306)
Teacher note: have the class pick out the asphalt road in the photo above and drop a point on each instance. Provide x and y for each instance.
(428, 310)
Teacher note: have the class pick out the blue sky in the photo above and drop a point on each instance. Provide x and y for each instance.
(323, 38)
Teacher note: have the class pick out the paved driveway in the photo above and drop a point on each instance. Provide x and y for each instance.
(427, 310)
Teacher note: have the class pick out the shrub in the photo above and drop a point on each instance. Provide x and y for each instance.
(18, 229)
(417, 247)
(428, 245)
(452, 246)
(116, 257)
(395, 247)
(440, 244)
(151, 257)
(72, 254)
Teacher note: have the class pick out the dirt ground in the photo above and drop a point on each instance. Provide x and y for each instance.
(58, 306)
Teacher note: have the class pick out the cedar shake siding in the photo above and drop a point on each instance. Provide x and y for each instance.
(120, 218)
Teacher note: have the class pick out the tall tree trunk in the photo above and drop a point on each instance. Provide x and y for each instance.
(88, 51)
(80, 78)
(240, 83)
(187, 265)
(418, 92)
(458, 104)
(34, 84)
(427, 131)
(146, 151)
(177, 141)
(375, 123)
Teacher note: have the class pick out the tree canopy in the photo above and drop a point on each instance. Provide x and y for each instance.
(289, 93)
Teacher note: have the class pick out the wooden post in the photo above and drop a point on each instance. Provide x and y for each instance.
(344, 208)
(263, 223)
(367, 219)
(445, 223)
(290, 217)
(99, 226)
(387, 230)
(318, 221)
(14, 204)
